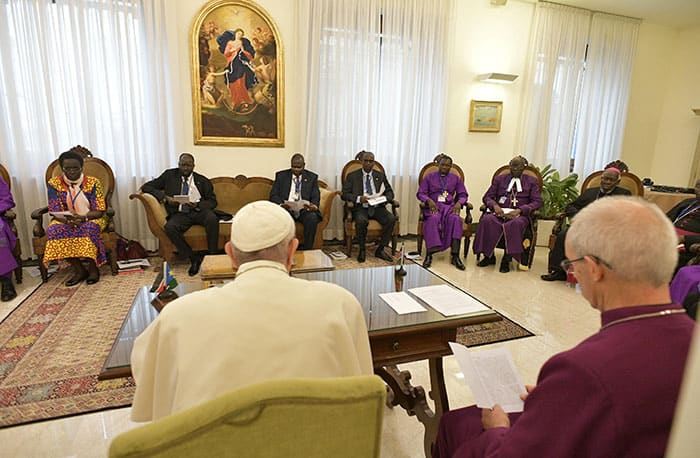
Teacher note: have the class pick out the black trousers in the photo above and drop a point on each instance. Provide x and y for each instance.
(179, 222)
(556, 254)
(362, 215)
(310, 222)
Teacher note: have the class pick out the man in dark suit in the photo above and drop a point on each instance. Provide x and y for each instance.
(294, 185)
(686, 219)
(608, 187)
(181, 216)
(359, 186)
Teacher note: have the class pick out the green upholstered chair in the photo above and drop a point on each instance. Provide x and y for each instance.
(287, 417)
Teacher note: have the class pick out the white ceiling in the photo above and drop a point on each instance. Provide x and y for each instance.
(671, 13)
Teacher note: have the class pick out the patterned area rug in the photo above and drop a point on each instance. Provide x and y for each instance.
(54, 344)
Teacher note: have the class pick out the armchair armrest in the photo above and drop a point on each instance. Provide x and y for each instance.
(560, 218)
(38, 215)
(155, 213)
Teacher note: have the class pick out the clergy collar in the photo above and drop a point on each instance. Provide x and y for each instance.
(624, 312)
(518, 184)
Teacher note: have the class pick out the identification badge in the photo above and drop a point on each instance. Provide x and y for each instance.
(502, 200)
(441, 199)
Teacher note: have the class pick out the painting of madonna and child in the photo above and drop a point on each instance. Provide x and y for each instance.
(237, 78)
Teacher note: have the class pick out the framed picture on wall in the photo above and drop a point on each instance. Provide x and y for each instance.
(237, 73)
(485, 116)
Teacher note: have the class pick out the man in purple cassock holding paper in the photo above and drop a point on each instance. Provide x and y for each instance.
(615, 393)
(509, 201)
(444, 195)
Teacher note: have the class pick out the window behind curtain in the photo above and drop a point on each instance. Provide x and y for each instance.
(88, 72)
(377, 81)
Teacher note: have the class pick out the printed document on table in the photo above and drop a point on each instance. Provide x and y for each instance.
(402, 303)
(447, 300)
(492, 377)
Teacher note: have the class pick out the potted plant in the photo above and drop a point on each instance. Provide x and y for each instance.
(557, 192)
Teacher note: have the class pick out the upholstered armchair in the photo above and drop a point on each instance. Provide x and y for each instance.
(628, 181)
(374, 229)
(310, 418)
(530, 236)
(10, 217)
(467, 230)
(231, 195)
(94, 167)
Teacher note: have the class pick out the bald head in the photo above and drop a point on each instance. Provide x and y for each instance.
(633, 236)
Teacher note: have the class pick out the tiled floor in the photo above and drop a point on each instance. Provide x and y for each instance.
(556, 314)
(24, 289)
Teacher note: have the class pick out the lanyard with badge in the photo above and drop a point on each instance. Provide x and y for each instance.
(443, 186)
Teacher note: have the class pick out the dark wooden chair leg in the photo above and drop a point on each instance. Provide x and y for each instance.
(43, 270)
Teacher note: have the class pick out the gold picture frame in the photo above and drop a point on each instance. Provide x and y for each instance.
(485, 116)
(237, 70)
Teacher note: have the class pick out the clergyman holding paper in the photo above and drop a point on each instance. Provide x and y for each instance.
(615, 393)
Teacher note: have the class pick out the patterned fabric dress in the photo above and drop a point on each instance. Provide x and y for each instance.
(84, 241)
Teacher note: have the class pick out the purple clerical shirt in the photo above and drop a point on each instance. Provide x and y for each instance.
(613, 395)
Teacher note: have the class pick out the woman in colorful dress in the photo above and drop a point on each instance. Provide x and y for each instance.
(7, 244)
(77, 204)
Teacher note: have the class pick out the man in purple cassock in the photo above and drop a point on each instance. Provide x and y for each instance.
(615, 393)
(443, 195)
(7, 244)
(509, 201)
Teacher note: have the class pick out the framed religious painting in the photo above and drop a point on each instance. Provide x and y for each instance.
(237, 76)
(485, 116)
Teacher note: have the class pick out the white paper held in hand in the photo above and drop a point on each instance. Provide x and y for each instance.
(491, 376)
(182, 198)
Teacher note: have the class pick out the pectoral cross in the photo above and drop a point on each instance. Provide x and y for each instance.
(514, 201)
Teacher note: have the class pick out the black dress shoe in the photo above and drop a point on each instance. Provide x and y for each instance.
(505, 267)
(379, 253)
(72, 281)
(457, 262)
(557, 275)
(8, 291)
(428, 261)
(361, 255)
(194, 266)
(93, 280)
(487, 261)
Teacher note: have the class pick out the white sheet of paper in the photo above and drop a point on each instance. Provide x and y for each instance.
(376, 200)
(507, 210)
(182, 198)
(296, 205)
(60, 213)
(402, 303)
(447, 300)
(491, 376)
(142, 262)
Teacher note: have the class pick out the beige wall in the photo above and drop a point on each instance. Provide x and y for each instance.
(678, 127)
(660, 135)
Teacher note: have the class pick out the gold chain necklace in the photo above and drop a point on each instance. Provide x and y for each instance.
(645, 315)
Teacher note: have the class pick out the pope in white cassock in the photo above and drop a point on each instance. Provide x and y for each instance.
(263, 325)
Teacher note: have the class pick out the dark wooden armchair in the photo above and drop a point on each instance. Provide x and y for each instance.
(530, 237)
(374, 229)
(94, 167)
(10, 217)
(467, 230)
(628, 181)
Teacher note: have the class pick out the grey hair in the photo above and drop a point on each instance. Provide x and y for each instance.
(275, 253)
(630, 234)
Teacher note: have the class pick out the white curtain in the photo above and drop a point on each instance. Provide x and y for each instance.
(88, 72)
(376, 81)
(606, 85)
(553, 85)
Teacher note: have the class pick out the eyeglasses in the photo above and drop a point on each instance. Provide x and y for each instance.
(566, 264)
